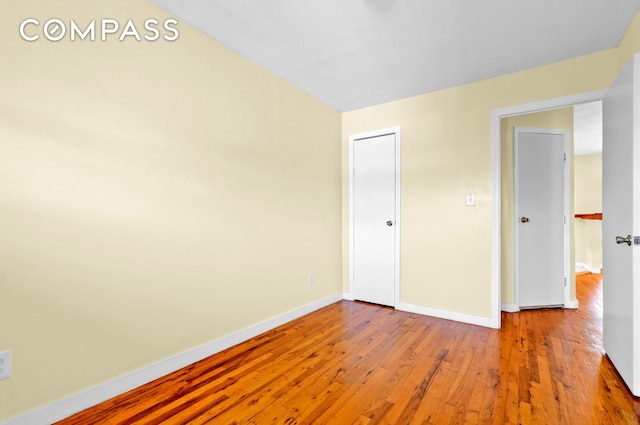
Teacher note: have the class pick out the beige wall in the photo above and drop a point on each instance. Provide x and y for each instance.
(588, 199)
(446, 153)
(154, 197)
(558, 119)
(630, 43)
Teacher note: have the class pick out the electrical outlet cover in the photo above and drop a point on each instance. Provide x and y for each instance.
(5, 364)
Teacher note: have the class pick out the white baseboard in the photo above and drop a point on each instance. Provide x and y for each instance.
(440, 314)
(78, 402)
(587, 268)
(572, 304)
(510, 307)
(446, 314)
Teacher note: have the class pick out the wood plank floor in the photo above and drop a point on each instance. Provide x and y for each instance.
(354, 363)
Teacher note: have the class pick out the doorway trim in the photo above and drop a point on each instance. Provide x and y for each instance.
(566, 209)
(496, 185)
(368, 135)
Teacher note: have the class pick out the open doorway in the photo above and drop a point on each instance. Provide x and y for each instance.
(584, 119)
(499, 303)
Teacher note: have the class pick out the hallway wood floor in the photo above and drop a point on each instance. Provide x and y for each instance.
(354, 363)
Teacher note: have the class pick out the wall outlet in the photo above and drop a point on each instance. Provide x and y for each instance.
(312, 279)
(470, 199)
(5, 364)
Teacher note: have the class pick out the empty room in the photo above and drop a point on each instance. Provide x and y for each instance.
(297, 212)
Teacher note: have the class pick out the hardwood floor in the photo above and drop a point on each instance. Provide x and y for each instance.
(354, 363)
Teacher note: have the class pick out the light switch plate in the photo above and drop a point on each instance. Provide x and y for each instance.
(470, 199)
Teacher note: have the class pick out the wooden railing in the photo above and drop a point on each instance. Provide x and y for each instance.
(594, 216)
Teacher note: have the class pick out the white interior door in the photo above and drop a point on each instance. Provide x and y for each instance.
(540, 203)
(621, 219)
(374, 219)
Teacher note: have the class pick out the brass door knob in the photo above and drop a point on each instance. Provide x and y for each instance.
(524, 219)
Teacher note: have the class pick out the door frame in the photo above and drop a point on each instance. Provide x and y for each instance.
(368, 135)
(566, 237)
(496, 185)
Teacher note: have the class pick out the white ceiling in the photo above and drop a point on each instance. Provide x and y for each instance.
(356, 53)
